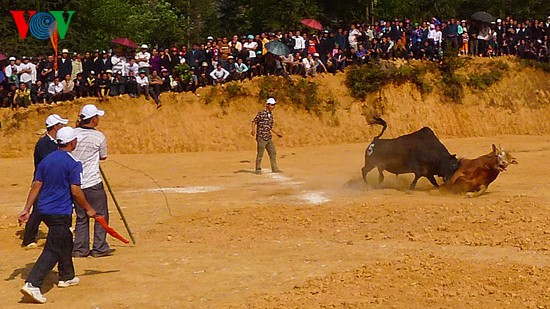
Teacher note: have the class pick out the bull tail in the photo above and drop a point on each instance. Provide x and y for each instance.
(380, 121)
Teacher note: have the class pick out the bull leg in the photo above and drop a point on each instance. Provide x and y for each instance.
(413, 184)
(366, 169)
(481, 190)
(432, 180)
(380, 175)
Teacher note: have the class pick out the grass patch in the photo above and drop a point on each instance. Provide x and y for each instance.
(542, 66)
(301, 94)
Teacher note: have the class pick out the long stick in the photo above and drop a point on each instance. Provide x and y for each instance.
(117, 206)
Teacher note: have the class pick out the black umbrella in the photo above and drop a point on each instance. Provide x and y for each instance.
(483, 17)
(277, 48)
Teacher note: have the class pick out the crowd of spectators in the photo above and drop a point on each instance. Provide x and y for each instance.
(151, 71)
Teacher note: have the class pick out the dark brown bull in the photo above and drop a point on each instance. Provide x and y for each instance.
(420, 153)
(474, 176)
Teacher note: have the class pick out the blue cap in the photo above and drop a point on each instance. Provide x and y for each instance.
(250, 36)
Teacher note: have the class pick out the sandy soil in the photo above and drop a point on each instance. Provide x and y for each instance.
(314, 236)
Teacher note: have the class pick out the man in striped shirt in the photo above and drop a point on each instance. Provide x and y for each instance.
(91, 148)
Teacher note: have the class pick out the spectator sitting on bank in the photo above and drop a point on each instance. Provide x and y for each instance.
(117, 84)
(79, 86)
(38, 92)
(55, 91)
(91, 84)
(219, 75)
(103, 87)
(68, 88)
(22, 96)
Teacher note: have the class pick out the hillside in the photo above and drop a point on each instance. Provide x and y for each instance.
(519, 103)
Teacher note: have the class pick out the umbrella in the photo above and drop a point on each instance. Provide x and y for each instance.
(483, 17)
(3, 57)
(124, 42)
(312, 23)
(277, 48)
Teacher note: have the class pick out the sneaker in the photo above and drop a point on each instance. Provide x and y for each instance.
(65, 284)
(33, 292)
(276, 171)
(258, 172)
(32, 245)
(102, 254)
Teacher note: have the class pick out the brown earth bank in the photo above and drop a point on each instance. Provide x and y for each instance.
(517, 104)
(316, 236)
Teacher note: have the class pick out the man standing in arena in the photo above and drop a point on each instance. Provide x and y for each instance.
(45, 145)
(262, 126)
(91, 148)
(56, 185)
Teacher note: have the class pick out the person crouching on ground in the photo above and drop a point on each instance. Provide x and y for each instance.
(262, 126)
(219, 75)
(57, 183)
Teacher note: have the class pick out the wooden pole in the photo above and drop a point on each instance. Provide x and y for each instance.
(117, 206)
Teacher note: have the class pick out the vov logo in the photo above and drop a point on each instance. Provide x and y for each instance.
(42, 25)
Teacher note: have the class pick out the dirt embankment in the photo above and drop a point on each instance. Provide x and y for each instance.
(518, 104)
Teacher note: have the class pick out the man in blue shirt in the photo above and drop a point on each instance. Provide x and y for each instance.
(56, 185)
(43, 148)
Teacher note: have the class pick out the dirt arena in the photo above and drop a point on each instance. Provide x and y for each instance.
(211, 234)
(314, 236)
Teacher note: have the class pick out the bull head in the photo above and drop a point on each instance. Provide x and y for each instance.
(504, 158)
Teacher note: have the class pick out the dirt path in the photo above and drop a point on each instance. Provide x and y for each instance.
(312, 236)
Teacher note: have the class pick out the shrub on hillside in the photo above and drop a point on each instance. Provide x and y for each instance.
(302, 94)
(482, 81)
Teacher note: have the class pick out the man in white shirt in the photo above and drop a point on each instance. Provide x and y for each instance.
(143, 57)
(219, 75)
(131, 66)
(251, 47)
(25, 72)
(299, 43)
(353, 35)
(55, 91)
(142, 84)
(11, 72)
(91, 148)
(119, 62)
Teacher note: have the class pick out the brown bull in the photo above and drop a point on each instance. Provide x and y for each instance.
(474, 176)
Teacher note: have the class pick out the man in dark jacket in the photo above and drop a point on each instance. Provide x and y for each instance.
(194, 57)
(104, 63)
(43, 148)
(64, 65)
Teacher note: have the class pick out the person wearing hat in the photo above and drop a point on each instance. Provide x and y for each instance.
(11, 72)
(25, 71)
(64, 65)
(91, 148)
(174, 58)
(44, 146)
(56, 185)
(143, 57)
(262, 127)
(219, 75)
(251, 46)
(142, 82)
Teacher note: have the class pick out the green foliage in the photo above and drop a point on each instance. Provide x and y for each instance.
(372, 77)
(184, 72)
(302, 94)
(543, 66)
(234, 90)
(451, 83)
(482, 81)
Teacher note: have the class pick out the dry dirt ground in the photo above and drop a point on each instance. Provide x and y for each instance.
(314, 236)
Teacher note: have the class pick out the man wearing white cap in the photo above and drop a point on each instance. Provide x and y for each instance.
(143, 57)
(91, 148)
(64, 65)
(56, 184)
(12, 71)
(262, 126)
(45, 145)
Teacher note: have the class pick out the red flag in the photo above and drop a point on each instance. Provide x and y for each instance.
(110, 230)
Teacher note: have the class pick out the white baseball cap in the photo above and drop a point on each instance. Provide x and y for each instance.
(65, 51)
(499, 20)
(271, 101)
(89, 111)
(12, 59)
(54, 119)
(210, 38)
(144, 46)
(65, 135)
